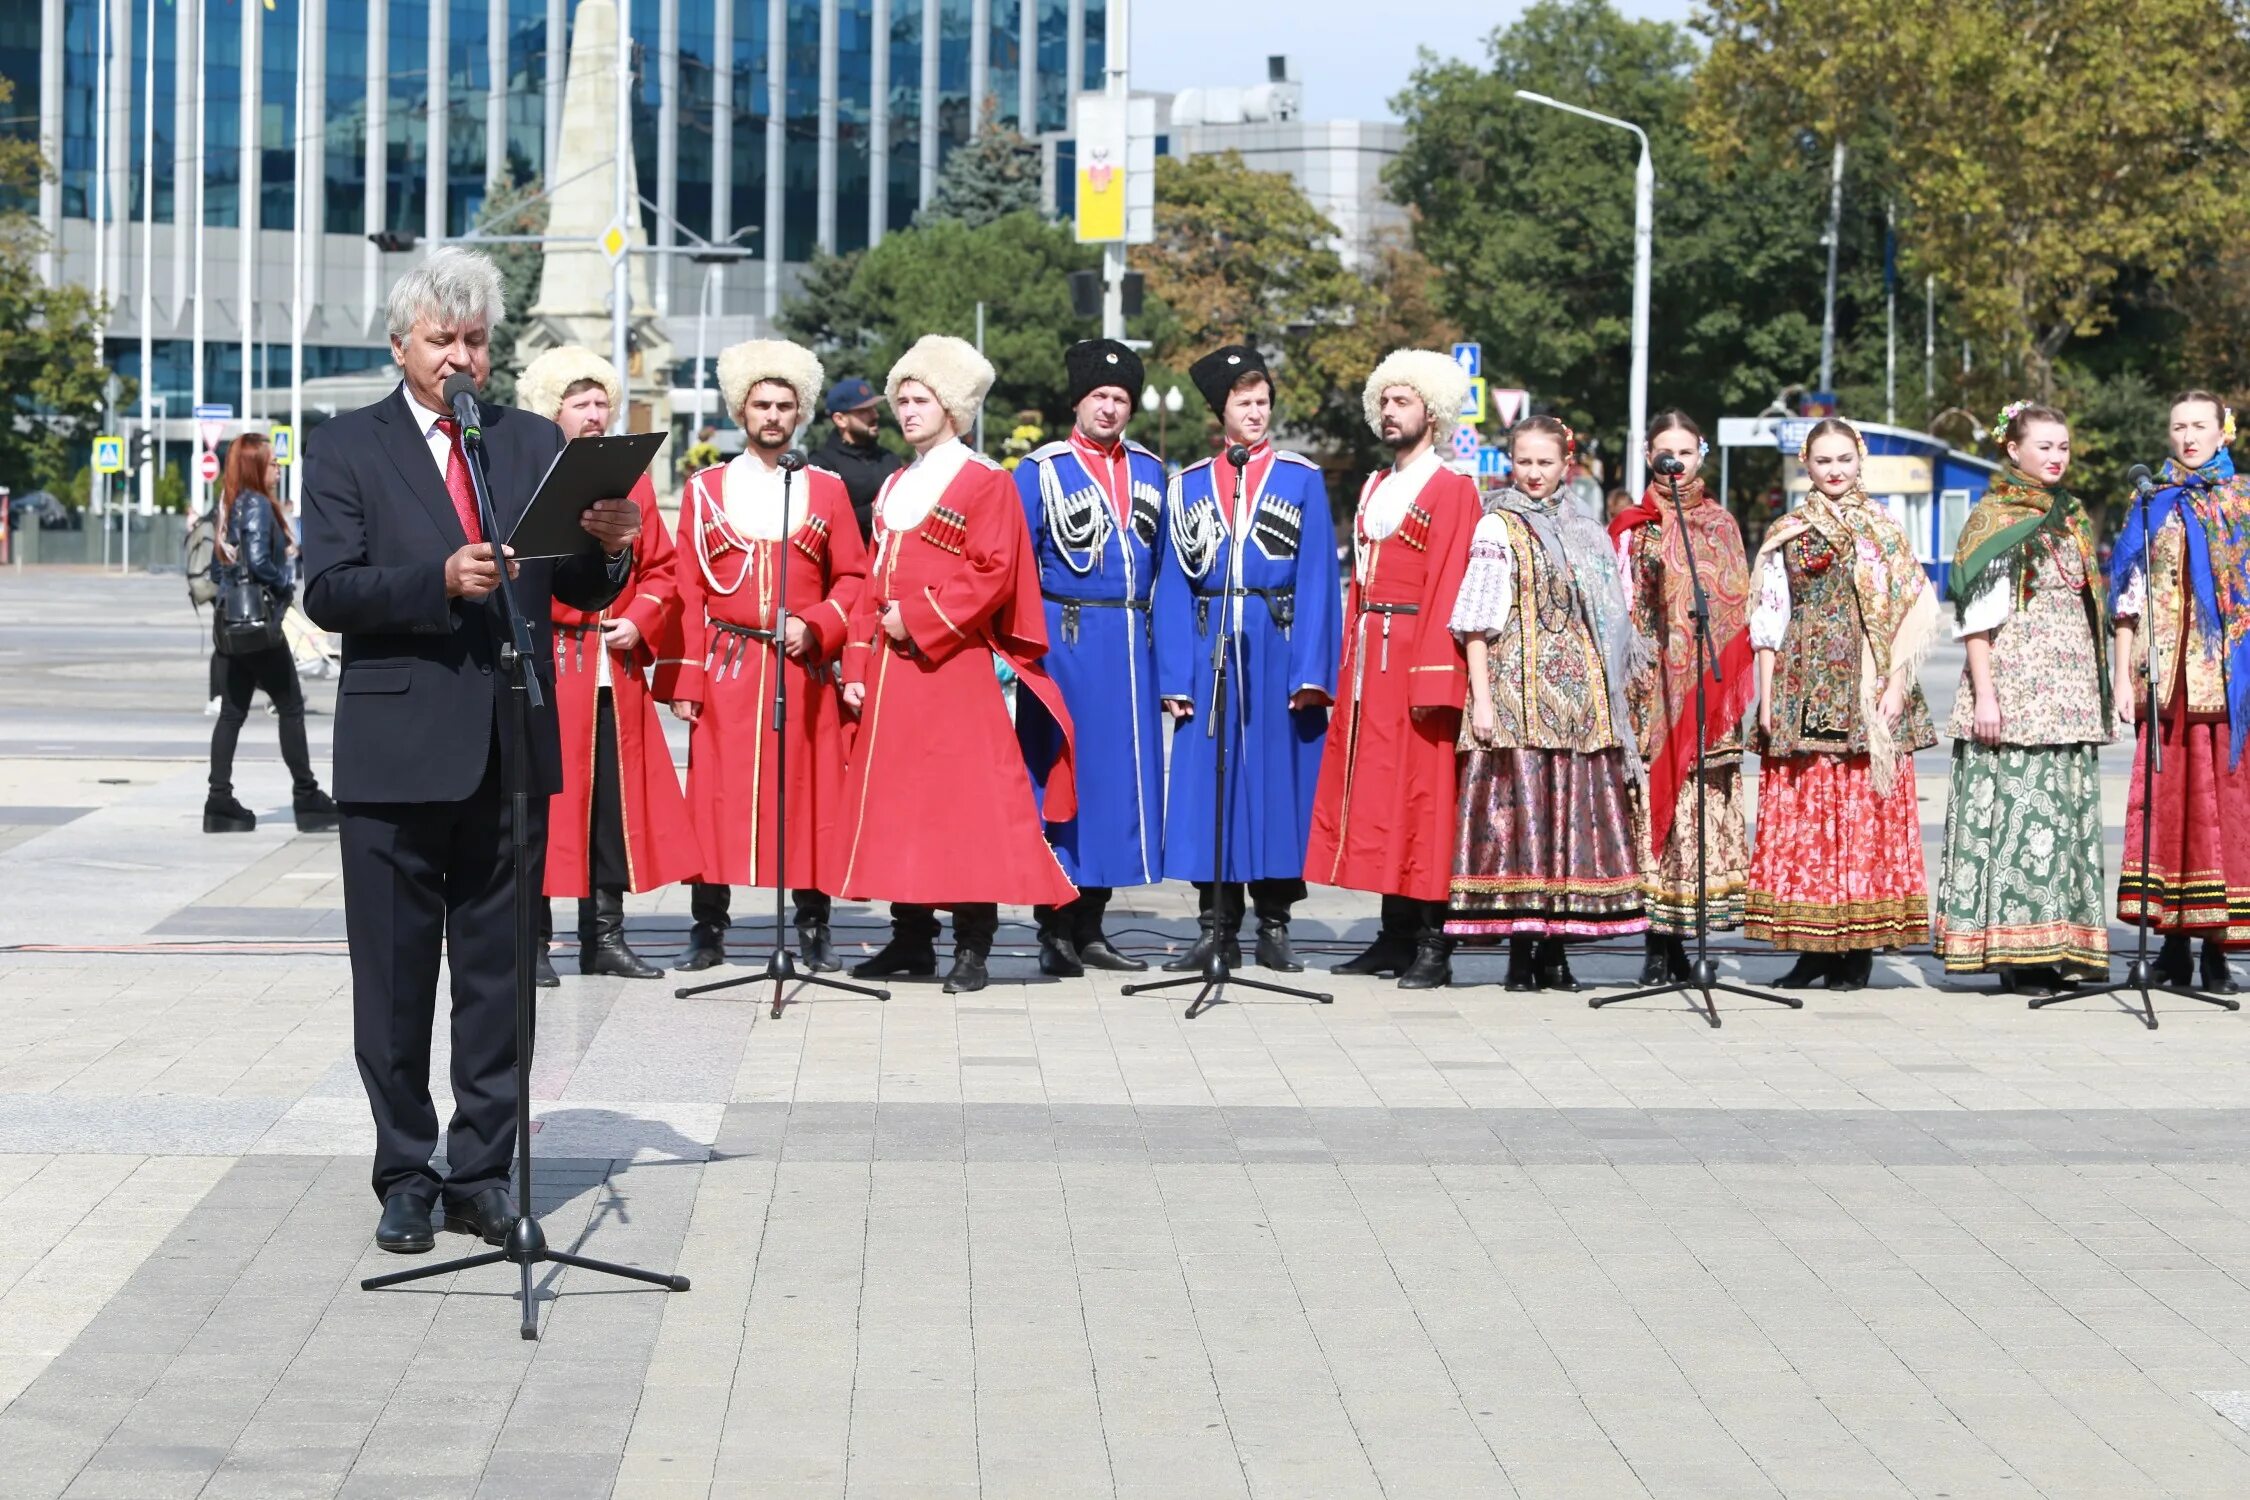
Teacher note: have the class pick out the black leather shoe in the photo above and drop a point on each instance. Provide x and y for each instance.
(2218, 976)
(608, 952)
(1059, 960)
(1523, 971)
(1388, 954)
(1678, 966)
(1432, 968)
(1227, 945)
(1554, 967)
(488, 1215)
(405, 1226)
(2033, 982)
(543, 975)
(1274, 951)
(815, 953)
(706, 949)
(1807, 972)
(222, 814)
(2175, 961)
(316, 812)
(1098, 954)
(967, 975)
(1853, 970)
(1654, 968)
(914, 958)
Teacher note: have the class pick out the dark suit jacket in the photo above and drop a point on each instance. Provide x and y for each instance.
(422, 692)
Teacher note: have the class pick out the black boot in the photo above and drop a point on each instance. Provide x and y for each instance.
(1395, 941)
(1523, 966)
(707, 939)
(1808, 971)
(1656, 967)
(2218, 977)
(1274, 951)
(815, 952)
(222, 814)
(1432, 968)
(1853, 970)
(1094, 950)
(316, 812)
(2175, 961)
(974, 927)
(1220, 918)
(911, 952)
(2032, 981)
(543, 975)
(1058, 955)
(1554, 967)
(608, 953)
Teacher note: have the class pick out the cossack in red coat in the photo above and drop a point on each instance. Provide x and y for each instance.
(728, 578)
(660, 846)
(1384, 819)
(941, 807)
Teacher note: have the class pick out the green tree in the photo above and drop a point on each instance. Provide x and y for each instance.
(511, 210)
(48, 365)
(993, 176)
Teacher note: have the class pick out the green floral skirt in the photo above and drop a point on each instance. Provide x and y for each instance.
(2022, 878)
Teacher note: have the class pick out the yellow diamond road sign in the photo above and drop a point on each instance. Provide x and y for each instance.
(614, 243)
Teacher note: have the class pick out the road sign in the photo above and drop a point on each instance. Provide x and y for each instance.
(1492, 462)
(284, 440)
(615, 242)
(1472, 405)
(1509, 405)
(207, 467)
(1789, 436)
(1469, 357)
(1465, 443)
(109, 455)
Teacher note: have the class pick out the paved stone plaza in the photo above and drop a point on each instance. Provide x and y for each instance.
(1047, 1241)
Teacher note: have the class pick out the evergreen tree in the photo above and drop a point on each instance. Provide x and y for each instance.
(991, 177)
(509, 211)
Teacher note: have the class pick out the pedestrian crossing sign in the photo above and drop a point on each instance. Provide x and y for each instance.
(109, 455)
(284, 440)
(1472, 405)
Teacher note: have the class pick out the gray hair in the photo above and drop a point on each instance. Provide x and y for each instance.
(452, 286)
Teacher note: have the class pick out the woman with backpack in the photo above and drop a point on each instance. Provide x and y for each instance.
(256, 585)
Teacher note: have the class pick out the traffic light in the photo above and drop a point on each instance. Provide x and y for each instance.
(1086, 294)
(144, 450)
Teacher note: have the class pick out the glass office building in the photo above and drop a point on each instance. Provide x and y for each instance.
(783, 125)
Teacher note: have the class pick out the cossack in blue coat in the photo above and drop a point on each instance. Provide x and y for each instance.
(1097, 527)
(1280, 547)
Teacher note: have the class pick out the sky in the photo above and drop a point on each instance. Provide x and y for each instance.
(1350, 55)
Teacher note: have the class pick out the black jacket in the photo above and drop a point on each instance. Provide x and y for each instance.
(422, 691)
(863, 471)
(253, 536)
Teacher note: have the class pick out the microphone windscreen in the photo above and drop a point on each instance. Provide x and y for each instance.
(458, 384)
(793, 460)
(1669, 463)
(1238, 455)
(2138, 475)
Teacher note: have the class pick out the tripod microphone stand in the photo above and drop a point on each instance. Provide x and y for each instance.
(781, 968)
(526, 1244)
(1217, 972)
(2140, 973)
(1704, 981)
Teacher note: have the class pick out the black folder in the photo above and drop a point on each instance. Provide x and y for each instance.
(587, 469)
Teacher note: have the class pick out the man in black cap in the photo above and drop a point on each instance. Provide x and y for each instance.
(1251, 548)
(855, 415)
(1095, 503)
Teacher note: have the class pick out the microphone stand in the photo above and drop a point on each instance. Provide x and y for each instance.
(1217, 972)
(781, 968)
(1704, 980)
(2140, 973)
(526, 1244)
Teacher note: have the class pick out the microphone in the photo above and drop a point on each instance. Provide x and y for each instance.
(1237, 454)
(1668, 463)
(460, 393)
(2140, 479)
(792, 461)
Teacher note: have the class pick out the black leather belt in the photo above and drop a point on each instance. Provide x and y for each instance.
(1281, 604)
(750, 631)
(1392, 609)
(1071, 607)
(730, 646)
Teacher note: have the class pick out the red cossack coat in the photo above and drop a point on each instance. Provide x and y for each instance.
(940, 806)
(660, 845)
(742, 773)
(1384, 818)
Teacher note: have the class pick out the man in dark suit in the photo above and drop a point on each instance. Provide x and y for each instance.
(395, 562)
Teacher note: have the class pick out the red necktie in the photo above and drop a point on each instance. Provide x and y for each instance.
(457, 481)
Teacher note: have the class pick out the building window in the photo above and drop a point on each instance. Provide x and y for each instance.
(406, 149)
(164, 177)
(344, 142)
(222, 113)
(855, 78)
(691, 199)
(800, 180)
(747, 189)
(955, 114)
(1004, 59)
(1054, 67)
(277, 118)
(529, 58)
(904, 171)
(468, 78)
(648, 100)
(1093, 75)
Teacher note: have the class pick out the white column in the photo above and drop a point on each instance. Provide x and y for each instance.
(378, 157)
(191, 14)
(312, 140)
(440, 146)
(97, 194)
(558, 62)
(624, 211)
(824, 192)
(144, 478)
(980, 62)
(667, 145)
(246, 216)
(495, 93)
(1027, 67)
(121, 76)
(50, 135)
(722, 139)
(879, 123)
(777, 119)
(928, 140)
(187, 171)
(1074, 66)
(302, 225)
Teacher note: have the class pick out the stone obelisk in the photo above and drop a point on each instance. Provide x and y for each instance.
(574, 287)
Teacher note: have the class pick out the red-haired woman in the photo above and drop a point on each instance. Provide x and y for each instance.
(254, 538)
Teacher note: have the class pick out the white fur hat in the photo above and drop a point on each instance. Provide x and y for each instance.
(548, 379)
(953, 370)
(795, 366)
(1442, 384)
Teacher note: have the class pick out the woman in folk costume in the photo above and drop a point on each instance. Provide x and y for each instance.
(2020, 891)
(940, 805)
(619, 822)
(1544, 850)
(1384, 818)
(1843, 617)
(736, 571)
(2185, 594)
(1655, 558)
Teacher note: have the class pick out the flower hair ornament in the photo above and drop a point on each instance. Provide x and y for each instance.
(1570, 437)
(2226, 426)
(1702, 447)
(2008, 414)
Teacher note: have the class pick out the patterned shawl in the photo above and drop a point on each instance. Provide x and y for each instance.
(1731, 683)
(1897, 607)
(1578, 546)
(2015, 511)
(2214, 510)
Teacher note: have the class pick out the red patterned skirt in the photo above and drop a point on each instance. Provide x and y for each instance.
(2199, 846)
(1545, 847)
(1838, 867)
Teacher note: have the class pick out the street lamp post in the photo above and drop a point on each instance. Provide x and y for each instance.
(1644, 213)
(1164, 406)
